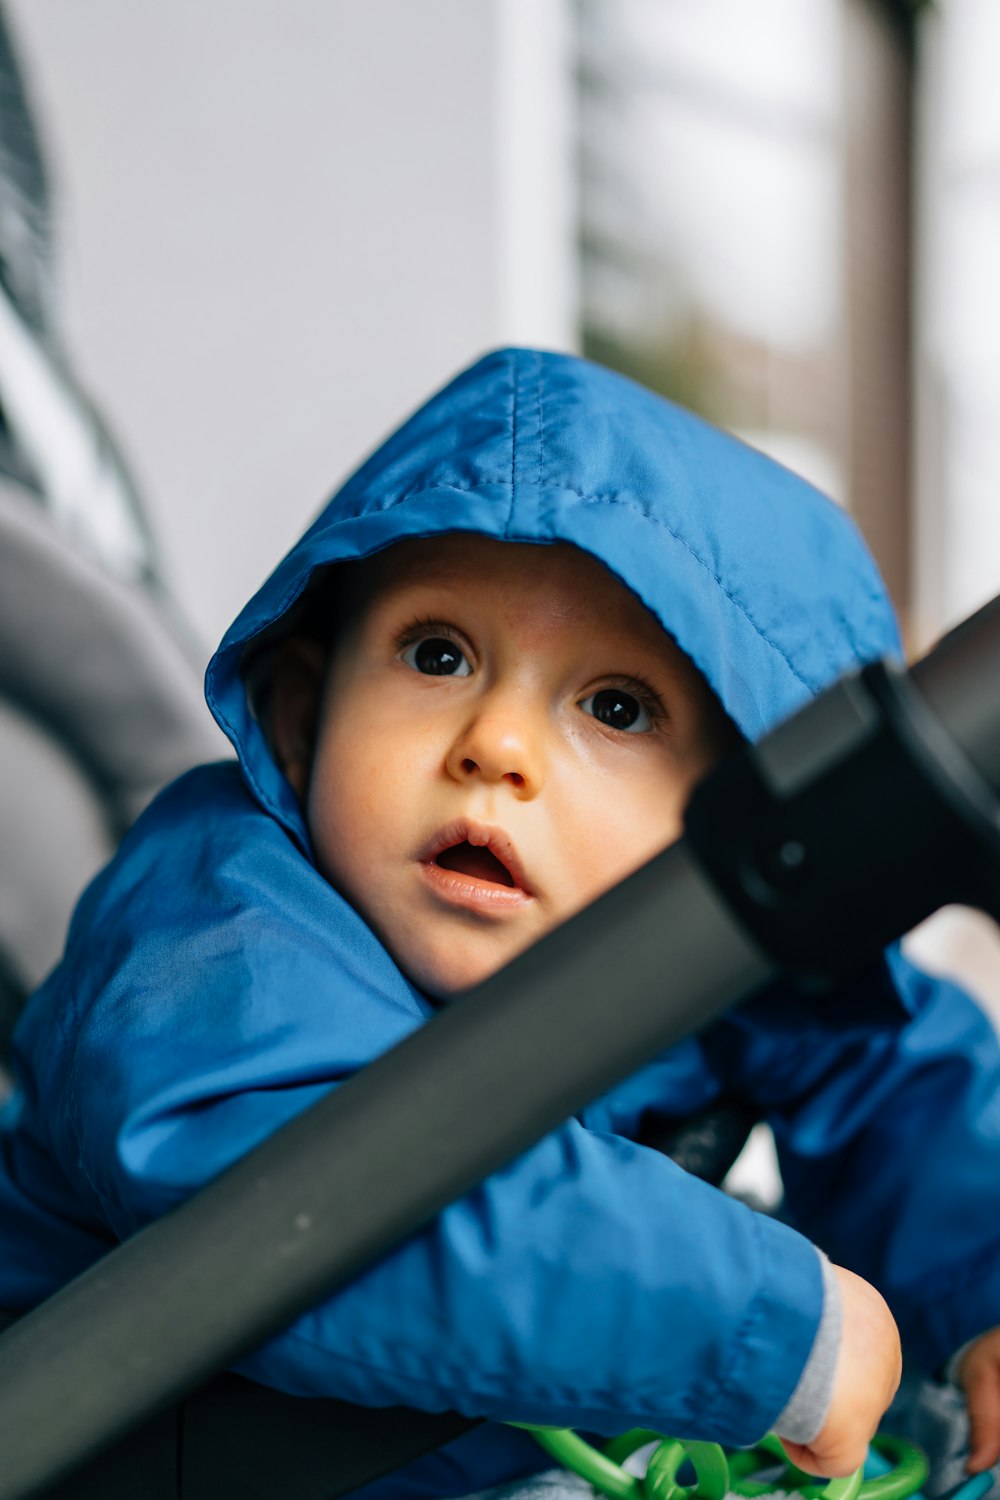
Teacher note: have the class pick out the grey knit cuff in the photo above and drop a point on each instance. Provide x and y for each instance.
(951, 1369)
(802, 1419)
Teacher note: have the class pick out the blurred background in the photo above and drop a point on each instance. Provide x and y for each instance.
(240, 239)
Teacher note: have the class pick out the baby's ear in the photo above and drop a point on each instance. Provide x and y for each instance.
(298, 669)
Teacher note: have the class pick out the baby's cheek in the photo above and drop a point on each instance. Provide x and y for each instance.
(338, 824)
(616, 847)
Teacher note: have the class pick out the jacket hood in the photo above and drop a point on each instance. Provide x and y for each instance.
(761, 580)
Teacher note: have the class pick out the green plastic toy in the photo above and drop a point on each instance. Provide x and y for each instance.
(750, 1472)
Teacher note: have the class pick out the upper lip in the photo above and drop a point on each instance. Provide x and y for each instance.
(483, 836)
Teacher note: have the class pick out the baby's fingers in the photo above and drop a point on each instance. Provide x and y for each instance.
(982, 1394)
(829, 1464)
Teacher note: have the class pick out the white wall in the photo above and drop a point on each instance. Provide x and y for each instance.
(957, 426)
(958, 307)
(283, 223)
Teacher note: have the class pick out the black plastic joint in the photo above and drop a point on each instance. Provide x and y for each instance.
(848, 825)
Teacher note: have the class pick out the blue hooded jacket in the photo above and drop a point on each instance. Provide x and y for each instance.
(214, 984)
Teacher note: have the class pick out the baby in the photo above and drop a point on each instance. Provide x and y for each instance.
(476, 694)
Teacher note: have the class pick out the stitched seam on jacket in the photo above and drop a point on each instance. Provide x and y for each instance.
(730, 1382)
(662, 525)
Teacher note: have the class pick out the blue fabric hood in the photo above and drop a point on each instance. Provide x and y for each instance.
(764, 582)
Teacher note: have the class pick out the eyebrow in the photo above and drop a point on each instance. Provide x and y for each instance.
(650, 636)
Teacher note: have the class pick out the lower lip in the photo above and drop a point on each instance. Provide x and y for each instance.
(483, 897)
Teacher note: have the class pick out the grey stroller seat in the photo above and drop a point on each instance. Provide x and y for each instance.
(100, 705)
(100, 699)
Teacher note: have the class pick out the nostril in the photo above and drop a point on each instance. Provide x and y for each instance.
(471, 767)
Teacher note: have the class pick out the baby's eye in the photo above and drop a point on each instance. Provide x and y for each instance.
(619, 710)
(435, 656)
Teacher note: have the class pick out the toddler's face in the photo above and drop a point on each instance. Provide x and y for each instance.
(504, 733)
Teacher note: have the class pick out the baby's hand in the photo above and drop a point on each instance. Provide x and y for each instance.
(865, 1379)
(979, 1377)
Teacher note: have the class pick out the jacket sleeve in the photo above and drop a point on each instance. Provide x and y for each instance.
(591, 1282)
(889, 1142)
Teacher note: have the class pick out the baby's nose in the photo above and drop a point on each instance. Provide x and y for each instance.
(500, 747)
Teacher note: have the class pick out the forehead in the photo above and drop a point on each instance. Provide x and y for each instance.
(569, 585)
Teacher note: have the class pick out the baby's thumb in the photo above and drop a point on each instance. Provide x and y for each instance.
(982, 1395)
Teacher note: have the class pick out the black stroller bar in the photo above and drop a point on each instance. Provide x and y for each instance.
(888, 783)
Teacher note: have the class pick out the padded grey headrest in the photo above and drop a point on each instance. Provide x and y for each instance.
(54, 835)
(100, 706)
(96, 661)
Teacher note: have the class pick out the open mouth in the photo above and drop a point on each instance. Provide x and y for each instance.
(477, 861)
(476, 867)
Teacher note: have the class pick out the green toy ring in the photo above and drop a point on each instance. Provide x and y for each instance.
(717, 1473)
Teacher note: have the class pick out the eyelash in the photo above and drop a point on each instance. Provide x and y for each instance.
(640, 688)
(420, 629)
(633, 683)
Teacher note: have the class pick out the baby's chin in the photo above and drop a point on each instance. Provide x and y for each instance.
(442, 977)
